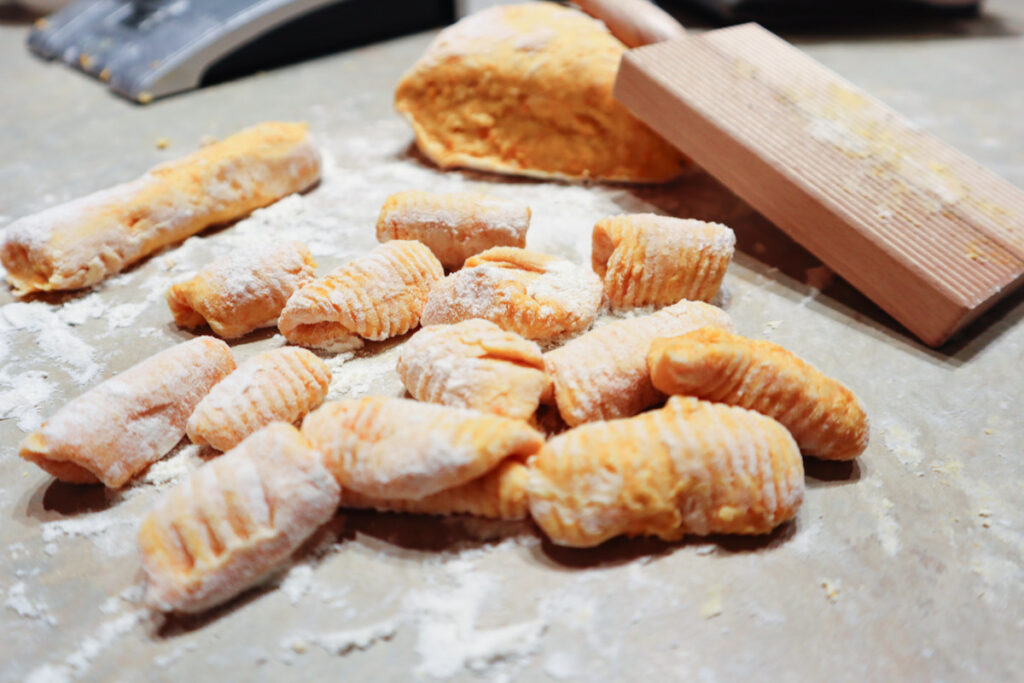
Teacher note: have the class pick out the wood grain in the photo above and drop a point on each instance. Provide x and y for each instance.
(928, 234)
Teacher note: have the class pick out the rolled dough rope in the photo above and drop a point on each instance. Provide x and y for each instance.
(455, 225)
(824, 417)
(603, 374)
(277, 385)
(649, 260)
(376, 296)
(393, 448)
(474, 364)
(244, 291)
(535, 295)
(691, 467)
(498, 494)
(121, 426)
(82, 242)
(234, 520)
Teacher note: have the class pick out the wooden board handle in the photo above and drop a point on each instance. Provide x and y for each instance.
(634, 22)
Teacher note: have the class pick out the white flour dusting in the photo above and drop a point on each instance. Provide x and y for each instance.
(19, 601)
(448, 639)
(110, 531)
(80, 660)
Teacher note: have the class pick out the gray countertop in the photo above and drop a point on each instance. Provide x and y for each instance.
(904, 565)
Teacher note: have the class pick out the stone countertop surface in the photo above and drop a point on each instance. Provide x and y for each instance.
(906, 564)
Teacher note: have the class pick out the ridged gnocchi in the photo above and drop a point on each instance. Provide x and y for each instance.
(121, 426)
(393, 448)
(474, 364)
(455, 225)
(234, 520)
(824, 417)
(280, 385)
(650, 260)
(376, 296)
(243, 291)
(498, 494)
(535, 295)
(603, 374)
(691, 467)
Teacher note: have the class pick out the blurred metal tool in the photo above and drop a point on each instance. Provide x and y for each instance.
(147, 49)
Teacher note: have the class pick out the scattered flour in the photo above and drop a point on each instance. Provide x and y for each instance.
(80, 660)
(30, 608)
(344, 642)
(110, 531)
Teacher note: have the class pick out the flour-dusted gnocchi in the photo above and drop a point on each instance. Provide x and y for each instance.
(474, 364)
(455, 225)
(393, 448)
(498, 494)
(603, 374)
(376, 296)
(243, 291)
(234, 520)
(824, 417)
(649, 260)
(535, 295)
(121, 426)
(280, 385)
(82, 242)
(691, 467)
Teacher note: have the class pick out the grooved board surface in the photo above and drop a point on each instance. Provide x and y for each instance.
(924, 231)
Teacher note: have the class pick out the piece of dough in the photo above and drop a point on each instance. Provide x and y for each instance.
(234, 520)
(393, 448)
(78, 244)
(527, 90)
(499, 494)
(603, 374)
(376, 296)
(535, 295)
(691, 467)
(121, 426)
(824, 417)
(474, 364)
(455, 225)
(650, 260)
(243, 291)
(280, 385)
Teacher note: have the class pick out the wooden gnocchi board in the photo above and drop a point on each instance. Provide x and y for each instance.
(928, 234)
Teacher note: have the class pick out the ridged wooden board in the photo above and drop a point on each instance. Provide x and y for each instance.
(928, 234)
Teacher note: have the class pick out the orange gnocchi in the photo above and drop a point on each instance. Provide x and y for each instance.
(474, 364)
(649, 260)
(375, 297)
(534, 295)
(280, 385)
(603, 374)
(234, 520)
(691, 467)
(824, 417)
(454, 225)
(244, 291)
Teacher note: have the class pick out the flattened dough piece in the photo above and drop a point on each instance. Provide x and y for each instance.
(650, 260)
(376, 296)
(535, 295)
(474, 364)
(234, 520)
(121, 426)
(691, 467)
(78, 244)
(824, 417)
(499, 494)
(393, 448)
(527, 90)
(603, 374)
(243, 291)
(280, 385)
(455, 225)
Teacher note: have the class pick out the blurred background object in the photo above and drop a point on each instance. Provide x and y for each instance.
(150, 48)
